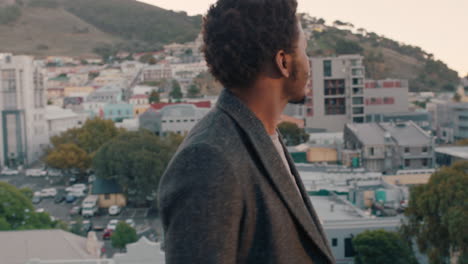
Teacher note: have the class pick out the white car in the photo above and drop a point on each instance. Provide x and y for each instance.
(77, 193)
(35, 172)
(114, 210)
(53, 173)
(50, 192)
(77, 187)
(112, 225)
(9, 172)
(130, 222)
(40, 210)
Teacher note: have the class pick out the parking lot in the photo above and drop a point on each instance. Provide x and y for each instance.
(145, 221)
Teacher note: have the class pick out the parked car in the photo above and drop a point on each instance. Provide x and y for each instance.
(36, 199)
(70, 198)
(77, 193)
(130, 222)
(40, 210)
(77, 187)
(76, 210)
(35, 172)
(54, 173)
(59, 198)
(107, 234)
(87, 226)
(114, 210)
(112, 225)
(48, 192)
(9, 172)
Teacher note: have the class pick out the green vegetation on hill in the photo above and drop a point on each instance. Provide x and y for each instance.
(385, 58)
(132, 20)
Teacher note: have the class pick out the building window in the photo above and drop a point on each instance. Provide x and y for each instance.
(106, 196)
(358, 100)
(334, 242)
(327, 68)
(335, 106)
(407, 163)
(406, 150)
(334, 87)
(371, 151)
(424, 149)
(348, 248)
(424, 162)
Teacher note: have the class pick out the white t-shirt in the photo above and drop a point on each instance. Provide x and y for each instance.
(279, 148)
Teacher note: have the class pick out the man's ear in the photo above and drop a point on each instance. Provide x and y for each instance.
(283, 63)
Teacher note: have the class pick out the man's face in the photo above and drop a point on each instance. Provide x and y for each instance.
(295, 85)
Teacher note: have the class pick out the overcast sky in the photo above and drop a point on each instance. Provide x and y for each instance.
(438, 27)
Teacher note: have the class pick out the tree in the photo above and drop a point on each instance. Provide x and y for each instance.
(148, 58)
(67, 157)
(153, 97)
(437, 213)
(74, 148)
(124, 234)
(136, 160)
(383, 247)
(17, 211)
(293, 135)
(193, 91)
(176, 92)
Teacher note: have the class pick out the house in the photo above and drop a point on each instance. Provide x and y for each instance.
(387, 147)
(33, 246)
(118, 111)
(109, 192)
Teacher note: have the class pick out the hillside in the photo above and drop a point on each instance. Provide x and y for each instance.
(45, 31)
(384, 58)
(80, 27)
(84, 27)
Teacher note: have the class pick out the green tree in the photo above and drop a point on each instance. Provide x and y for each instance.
(383, 247)
(153, 97)
(124, 234)
(437, 214)
(292, 134)
(27, 192)
(176, 92)
(74, 148)
(136, 160)
(17, 211)
(148, 58)
(67, 157)
(193, 91)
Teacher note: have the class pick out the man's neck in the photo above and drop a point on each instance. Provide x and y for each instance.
(265, 102)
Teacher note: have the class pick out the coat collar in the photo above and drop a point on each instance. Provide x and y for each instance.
(300, 208)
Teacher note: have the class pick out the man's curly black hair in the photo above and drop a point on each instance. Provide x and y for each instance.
(241, 36)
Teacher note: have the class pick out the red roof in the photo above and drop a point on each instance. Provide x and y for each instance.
(204, 104)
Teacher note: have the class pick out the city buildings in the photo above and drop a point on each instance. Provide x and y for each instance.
(23, 132)
(60, 120)
(387, 147)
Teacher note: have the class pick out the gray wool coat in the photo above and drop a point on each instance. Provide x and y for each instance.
(226, 197)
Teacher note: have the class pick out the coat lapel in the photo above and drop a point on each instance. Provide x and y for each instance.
(306, 199)
(275, 168)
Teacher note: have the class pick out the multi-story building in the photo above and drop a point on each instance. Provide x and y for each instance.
(387, 147)
(339, 94)
(117, 112)
(336, 96)
(157, 72)
(23, 133)
(175, 118)
(385, 96)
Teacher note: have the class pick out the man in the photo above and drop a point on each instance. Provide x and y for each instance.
(232, 194)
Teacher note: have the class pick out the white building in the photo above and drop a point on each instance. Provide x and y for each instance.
(23, 132)
(60, 120)
(177, 118)
(337, 93)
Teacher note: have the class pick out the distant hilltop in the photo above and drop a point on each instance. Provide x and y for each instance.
(90, 27)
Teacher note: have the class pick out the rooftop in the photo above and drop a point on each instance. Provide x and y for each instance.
(17, 247)
(455, 151)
